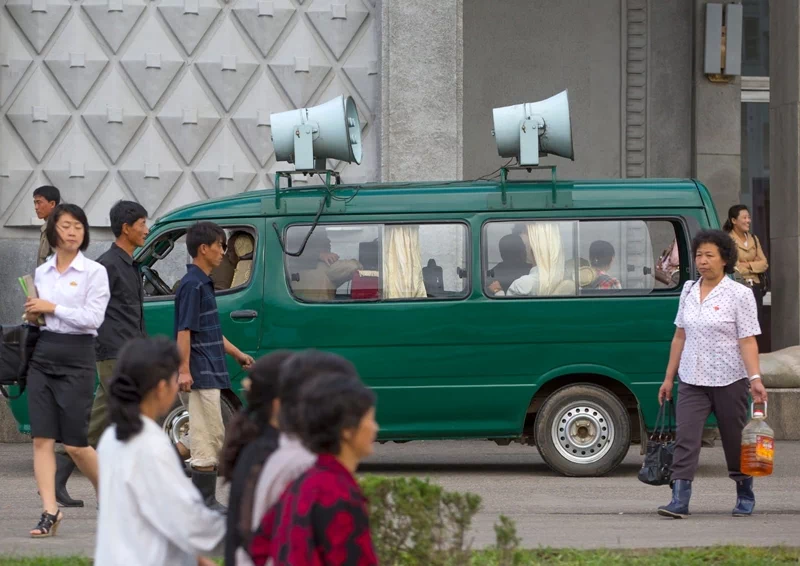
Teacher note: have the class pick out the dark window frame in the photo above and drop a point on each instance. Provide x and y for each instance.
(683, 236)
(253, 230)
(468, 260)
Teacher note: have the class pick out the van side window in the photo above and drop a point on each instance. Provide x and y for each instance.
(630, 256)
(579, 258)
(164, 262)
(372, 262)
(529, 259)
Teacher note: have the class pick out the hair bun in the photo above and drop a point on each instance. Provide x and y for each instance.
(123, 388)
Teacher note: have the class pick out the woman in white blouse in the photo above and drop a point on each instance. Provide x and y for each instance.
(150, 513)
(73, 295)
(715, 354)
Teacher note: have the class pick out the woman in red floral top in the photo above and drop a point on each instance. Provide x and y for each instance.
(321, 519)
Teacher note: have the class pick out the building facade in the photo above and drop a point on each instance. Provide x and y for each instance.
(167, 102)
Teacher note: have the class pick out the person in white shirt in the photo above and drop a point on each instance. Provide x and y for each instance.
(150, 513)
(292, 459)
(715, 353)
(73, 293)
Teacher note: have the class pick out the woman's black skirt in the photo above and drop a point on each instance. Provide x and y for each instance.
(61, 381)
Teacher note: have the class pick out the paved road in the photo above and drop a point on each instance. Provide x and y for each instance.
(550, 510)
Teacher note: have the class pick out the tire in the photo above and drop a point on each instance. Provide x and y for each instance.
(176, 423)
(583, 430)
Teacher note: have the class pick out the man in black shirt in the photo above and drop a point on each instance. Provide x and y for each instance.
(123, 321)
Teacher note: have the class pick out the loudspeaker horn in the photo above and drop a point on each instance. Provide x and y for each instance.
(309, 136)
(528, 131)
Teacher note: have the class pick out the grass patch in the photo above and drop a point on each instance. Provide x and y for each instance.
(718, 555)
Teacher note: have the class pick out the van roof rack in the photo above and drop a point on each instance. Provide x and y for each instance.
(329, 173)
(504, 177)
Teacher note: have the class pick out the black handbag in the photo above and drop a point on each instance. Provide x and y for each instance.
(16, 349)
(657, 466)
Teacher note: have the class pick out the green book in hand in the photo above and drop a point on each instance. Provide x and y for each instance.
(28, 287)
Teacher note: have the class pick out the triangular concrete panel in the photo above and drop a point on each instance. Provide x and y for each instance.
(97, 212)
(337, 21)
(189, 20)
(38, 26)
(362, 68)
(300, 65)
(76, 168)
(224, 169)
(150, 171)
(152, 62)
(14, 168)
(252, 118)
(264, 21)
(114, 23)
(185, 195)
(114, 116)
(188, 117)
(38, 114)
(227, 64)
(14, 59)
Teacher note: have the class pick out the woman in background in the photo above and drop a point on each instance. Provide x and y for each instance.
(73, 294)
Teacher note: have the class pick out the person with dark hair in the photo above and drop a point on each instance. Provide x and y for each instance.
(715, 354)
(601, 256)
(325, 506)
(149, 511)
(45, 199)
(73, 294)
(292, 458)
(514, 264)
(124, 320)
(751, 265)
(203, 372)
(250, 439)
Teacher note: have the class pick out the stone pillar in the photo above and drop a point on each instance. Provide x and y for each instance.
(717, 127)
(784, 159)
(421, 99)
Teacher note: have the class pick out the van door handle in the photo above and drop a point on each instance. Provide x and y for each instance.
(244, 315)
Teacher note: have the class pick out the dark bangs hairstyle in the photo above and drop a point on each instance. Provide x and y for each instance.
(733, 214)
(77, 213)
(724, 243)
(295, 372)
(247, 424)
(48, 193)
(329, 405)
(204, 233)
(142, 364)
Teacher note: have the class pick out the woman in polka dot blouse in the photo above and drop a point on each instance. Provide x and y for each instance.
(715, 354)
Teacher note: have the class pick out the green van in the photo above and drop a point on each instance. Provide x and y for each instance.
(539, 312)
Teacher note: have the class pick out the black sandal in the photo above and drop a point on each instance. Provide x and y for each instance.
(48, 525)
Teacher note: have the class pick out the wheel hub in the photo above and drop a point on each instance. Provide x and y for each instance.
(583, 432)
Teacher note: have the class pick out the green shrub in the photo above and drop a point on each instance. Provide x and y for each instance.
(416, 522)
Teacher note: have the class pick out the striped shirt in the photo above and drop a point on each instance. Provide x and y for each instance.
(196, 311)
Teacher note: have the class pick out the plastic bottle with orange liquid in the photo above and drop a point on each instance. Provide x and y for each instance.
(758, 445)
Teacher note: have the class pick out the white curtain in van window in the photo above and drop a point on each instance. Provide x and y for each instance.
(548, 252)
(402, 263)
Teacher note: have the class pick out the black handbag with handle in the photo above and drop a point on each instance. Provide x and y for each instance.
(16, 349)
(657, 466)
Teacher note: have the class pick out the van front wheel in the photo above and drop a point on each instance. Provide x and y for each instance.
(583, 430)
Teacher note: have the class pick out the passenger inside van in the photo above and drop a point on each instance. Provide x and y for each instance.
(601, 256)
(548, 276)
(514, 264)
(317, 272)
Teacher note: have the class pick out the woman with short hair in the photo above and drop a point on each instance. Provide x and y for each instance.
(715, 354)
(325, 507)
(73, 293)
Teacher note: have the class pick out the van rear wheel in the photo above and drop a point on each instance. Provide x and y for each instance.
(583, 430)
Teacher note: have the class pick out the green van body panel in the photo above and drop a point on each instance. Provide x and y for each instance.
(465, 368)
